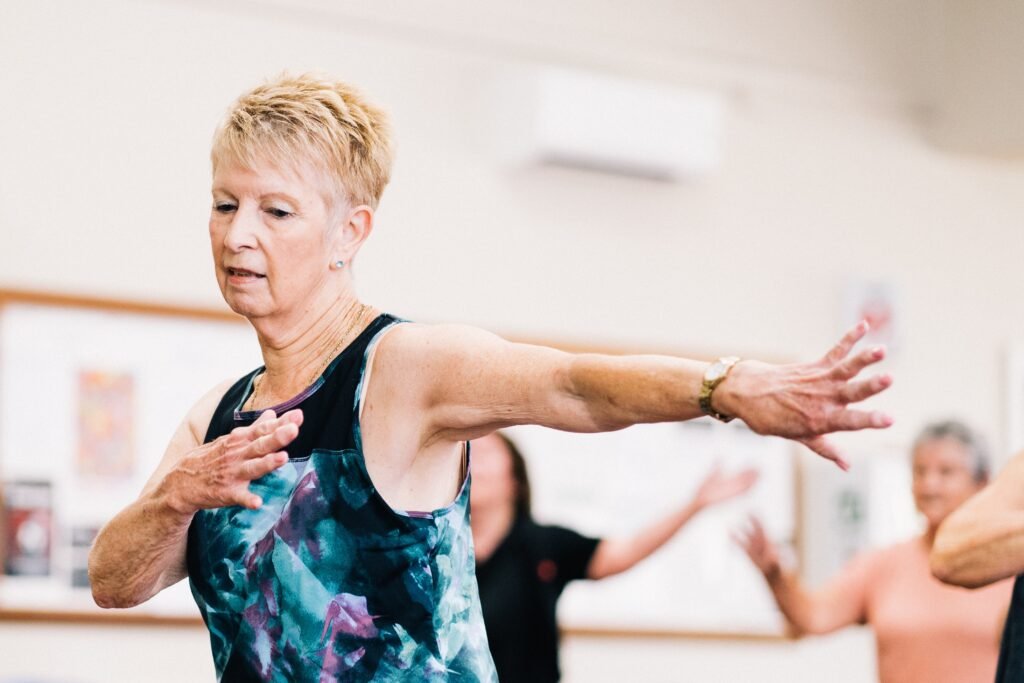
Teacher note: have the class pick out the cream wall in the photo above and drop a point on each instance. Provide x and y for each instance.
(826, 175)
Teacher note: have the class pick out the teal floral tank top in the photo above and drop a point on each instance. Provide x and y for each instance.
(327, 582)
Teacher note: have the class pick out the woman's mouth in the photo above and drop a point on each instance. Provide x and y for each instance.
(243, 273)
(240, 277)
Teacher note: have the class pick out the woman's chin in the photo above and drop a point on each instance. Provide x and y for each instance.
(246, 306)
(935, 517)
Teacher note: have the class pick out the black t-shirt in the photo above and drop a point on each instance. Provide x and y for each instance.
(519, 588)
(1011, 650)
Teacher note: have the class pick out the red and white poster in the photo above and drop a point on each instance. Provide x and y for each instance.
(28, 528)
(878, 303)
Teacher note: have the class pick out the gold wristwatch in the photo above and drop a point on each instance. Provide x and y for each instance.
(713, 376)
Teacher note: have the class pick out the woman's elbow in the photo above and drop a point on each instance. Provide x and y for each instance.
(811, 625)
(112, 599)
(942, 568)
(111, 592)
(948, 564)
(814, 619)
(109, 595)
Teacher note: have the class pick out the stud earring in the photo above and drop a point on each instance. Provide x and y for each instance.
(337, 265)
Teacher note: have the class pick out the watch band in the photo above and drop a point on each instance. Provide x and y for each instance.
(714, 376)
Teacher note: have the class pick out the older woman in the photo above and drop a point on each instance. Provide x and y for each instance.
(983, 543)
(349, 555)
(924, 630)
(523, 567)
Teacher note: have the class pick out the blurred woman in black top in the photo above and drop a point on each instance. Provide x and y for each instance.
(523, 567)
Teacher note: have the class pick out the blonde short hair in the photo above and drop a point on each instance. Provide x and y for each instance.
(310, 117)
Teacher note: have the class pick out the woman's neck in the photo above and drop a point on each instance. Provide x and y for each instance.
(490, 527)
(295, 357)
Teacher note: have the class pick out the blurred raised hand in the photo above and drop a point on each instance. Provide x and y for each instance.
(718, 487)
(759, 548)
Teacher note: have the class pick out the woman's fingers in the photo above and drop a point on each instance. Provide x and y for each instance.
(756, 528)
(248, 500)
(855, 420)
(741, 540)
(846, 421)
(850, 367)
(258, 467)
(277, 439)
(735, 485)
(854, 392)
(713, 475)
(745, 479)
(268, 422)
(824, 448)
(253, 470)
(265, 417)
(840, 350)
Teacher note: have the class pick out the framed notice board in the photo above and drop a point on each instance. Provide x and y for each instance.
(90, 393)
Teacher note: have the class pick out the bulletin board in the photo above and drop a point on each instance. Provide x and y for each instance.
(90, 394)
(92, 390)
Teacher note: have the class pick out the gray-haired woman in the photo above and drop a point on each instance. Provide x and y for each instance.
(924, 630)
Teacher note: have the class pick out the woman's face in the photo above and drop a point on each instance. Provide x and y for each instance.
(943, 478)
(271, 233)
(493, 483)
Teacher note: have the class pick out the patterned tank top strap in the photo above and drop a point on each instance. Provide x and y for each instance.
(364, 377)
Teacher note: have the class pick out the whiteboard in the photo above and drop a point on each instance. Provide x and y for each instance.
(613, 484)
(58, 363)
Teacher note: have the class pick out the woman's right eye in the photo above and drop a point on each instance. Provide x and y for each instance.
(223, 207)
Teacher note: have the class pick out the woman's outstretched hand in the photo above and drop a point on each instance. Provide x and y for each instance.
(718, 488)
(759, 548)
(218, 474)
(805, 401)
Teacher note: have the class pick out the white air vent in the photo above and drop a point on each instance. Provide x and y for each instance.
(583, 120)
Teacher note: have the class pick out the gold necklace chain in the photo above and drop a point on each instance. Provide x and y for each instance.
(355, 313)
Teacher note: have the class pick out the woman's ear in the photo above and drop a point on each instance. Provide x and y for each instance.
(355, 228)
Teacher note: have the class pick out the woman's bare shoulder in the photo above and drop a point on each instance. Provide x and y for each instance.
(199, 416)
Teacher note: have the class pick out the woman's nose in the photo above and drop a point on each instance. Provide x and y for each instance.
(241, 230)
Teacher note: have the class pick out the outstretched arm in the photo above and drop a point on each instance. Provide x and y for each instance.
(839, 603)
(468, 383)
(615, 555)
(982, 541)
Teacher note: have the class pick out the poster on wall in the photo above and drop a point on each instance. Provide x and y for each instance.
(106, 402)
(28, 528)
(878, 302)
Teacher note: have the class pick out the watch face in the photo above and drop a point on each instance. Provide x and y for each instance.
(716, 371)
(720, 368)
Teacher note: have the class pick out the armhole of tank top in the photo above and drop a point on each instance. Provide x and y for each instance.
(371, 354)
(364, 384)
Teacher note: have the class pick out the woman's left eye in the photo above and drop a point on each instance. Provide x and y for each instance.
(279, 213)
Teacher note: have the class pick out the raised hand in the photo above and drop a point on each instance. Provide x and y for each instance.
(759, 548)
(218, 474)
(807, 400)
(717, 487)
